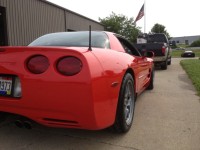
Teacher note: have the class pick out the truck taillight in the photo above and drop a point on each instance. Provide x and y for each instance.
(69, 66)
(163, 50)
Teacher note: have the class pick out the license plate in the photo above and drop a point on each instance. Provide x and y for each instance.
(5, 86)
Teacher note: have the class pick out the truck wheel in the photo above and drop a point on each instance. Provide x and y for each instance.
(169, 62)
(126, 106)
(151, 84)
(164, 65)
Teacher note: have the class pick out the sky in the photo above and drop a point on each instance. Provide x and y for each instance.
(180, 17)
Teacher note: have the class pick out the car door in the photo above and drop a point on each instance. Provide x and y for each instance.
(143, 73)
(141, 64)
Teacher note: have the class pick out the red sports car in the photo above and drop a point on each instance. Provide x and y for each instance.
(73, 80)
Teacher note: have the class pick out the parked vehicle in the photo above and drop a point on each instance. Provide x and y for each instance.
(74, 80)
(159, 44)
(188, 53)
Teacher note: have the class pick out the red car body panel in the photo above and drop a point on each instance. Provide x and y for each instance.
(87, 100)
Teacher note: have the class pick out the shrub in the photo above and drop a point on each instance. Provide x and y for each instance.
(195, 43)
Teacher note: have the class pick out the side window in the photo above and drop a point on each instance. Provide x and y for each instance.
(128, 47)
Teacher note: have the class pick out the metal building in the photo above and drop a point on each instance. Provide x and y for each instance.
(185, 39)
(22, 21)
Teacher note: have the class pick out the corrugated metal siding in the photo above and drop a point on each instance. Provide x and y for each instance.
(29, 19)
(76, 22)
(183, 39)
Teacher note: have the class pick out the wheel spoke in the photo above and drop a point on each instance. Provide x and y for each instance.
(128, 103)
(126, 113)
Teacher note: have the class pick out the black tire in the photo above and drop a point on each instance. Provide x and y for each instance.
(151, 84)
(126, 105)
(169, 62)
(164, 65)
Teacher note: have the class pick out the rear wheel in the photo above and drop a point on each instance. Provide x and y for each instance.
(164, 65)
(126, 105)
(151, 84)
(169, 61)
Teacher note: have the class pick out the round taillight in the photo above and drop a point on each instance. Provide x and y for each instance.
(38, 64)
(69, 66)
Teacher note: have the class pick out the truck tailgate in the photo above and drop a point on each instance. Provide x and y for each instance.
(154, 47)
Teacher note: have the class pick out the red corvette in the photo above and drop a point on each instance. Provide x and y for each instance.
(58, 81)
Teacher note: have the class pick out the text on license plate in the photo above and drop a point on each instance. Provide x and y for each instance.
(5, 85)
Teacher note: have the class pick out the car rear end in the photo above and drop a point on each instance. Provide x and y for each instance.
(54, 86)
(188, 53)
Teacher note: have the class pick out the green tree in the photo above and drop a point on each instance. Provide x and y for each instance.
(195, 43)
(158, 28)
(120, 24)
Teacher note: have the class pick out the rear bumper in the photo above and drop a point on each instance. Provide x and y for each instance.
(60, 105)
(188, 55)
(80, 101)
(159, 59)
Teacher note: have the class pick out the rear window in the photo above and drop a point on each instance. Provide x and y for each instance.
(157, 38)
(73, 39)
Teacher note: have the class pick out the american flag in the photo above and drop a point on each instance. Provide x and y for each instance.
(140, 14)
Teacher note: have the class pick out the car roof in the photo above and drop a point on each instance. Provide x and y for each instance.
(188, 51)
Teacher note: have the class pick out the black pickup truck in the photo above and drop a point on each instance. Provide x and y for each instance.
(159, 44)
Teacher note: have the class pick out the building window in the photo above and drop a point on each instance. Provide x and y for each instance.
(186, 42)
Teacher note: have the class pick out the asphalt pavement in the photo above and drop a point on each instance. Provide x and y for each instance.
(166, 118)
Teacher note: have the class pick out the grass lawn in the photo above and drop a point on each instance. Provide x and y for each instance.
(177, 53)
(192, 67)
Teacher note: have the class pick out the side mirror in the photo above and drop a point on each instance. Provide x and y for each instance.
(148, 54)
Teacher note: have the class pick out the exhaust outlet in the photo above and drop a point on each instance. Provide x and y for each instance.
(19, 123)
(27, 125)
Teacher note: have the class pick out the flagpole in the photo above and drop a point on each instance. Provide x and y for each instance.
(145, 16)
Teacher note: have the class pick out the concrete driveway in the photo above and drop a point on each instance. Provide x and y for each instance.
(167, 118)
